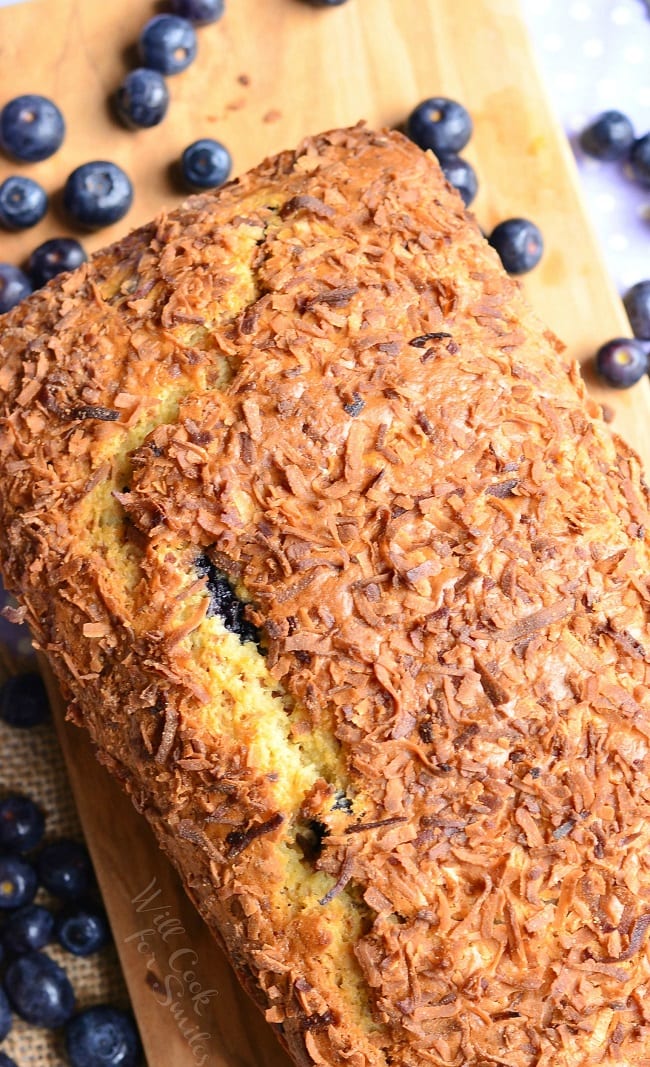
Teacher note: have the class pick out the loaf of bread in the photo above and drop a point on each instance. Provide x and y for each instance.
(349, 583)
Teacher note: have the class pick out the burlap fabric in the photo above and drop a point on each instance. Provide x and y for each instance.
(31, 762)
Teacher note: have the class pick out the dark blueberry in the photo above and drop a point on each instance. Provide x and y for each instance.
(440, 124)
(23, 700)
(21, 823)
(18, 882)
(23, 202)
(610, 136)
(65, 869)
(519, 244)
(200, 12)
(637, 305)
(461, 175)
(640, 160)
(97, 193)
(104, 1037)
(53, 257)
(6, 1061)
(168, 44)
(622, 362)
(205, 164)
(224, 603)
(39, 990)
(28, 928)
(341, 802)
(14, 287)
(31, 128)
(142, 99)
(82, 928)
(5, 1016)
(355, 405)
(325, 3)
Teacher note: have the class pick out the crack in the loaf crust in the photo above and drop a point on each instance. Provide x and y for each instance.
(310, 838)
(224, 601)
(245, 705)
(248, 707)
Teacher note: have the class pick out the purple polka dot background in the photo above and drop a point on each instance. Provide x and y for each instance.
(594, 55)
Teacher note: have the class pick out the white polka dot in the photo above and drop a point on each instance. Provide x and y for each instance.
(553, 42)
(578, 120)
(607, 89)
(634, 53)
(593, 48)
(566, 80)
(605, 202)
(629, 275)
(620, 15)
(618, 242)
(580, 11)
(643, 95)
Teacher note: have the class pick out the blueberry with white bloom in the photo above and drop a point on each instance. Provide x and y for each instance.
(23, 202)
(97, 194)
(142, 99)
(31, 128)
(205, 164)
(168, 44)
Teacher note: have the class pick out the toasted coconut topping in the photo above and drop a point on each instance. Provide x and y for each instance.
(328, 388)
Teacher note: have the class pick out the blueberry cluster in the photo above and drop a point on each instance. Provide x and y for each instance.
(32, 128)
(444, 127)
(610, 137)
(99, 192)
(167, 46)
(48, 894)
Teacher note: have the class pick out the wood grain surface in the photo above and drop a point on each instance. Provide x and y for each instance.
(270, 72)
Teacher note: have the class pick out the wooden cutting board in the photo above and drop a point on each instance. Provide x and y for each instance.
(270, 72)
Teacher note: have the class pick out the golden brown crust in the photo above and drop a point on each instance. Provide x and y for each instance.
(446, 552)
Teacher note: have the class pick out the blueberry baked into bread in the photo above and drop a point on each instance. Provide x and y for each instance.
(349, 582)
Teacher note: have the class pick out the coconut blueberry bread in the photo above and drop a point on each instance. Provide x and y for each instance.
(349, 583)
